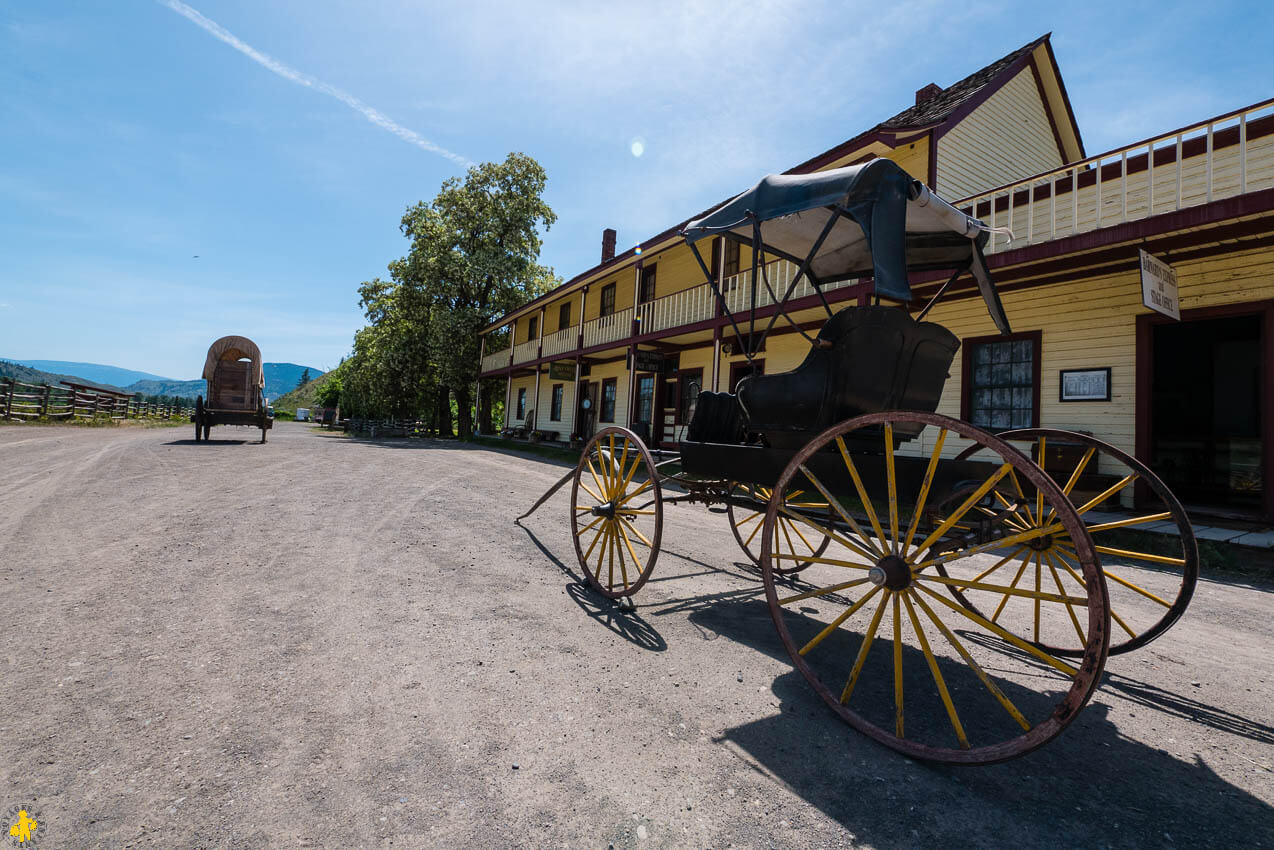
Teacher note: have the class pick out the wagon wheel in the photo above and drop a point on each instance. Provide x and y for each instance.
(795, 539)
(199, 419)
(1150, 579)
(616, 512)
(975, 692)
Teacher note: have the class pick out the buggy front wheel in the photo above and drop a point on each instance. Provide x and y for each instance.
(945, 683)
(616, 512)
(746, 511)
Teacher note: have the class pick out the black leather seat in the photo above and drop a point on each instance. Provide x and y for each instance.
(875, 359)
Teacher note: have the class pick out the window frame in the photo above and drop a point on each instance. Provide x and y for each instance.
(558, 395)
(564, 316)
(966, 372)
(521, 410)
(603, 307)
(648, 280)
(532, 328)
(682, 417)
(613, 383)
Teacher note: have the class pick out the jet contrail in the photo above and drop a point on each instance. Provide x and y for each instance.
(288, 73)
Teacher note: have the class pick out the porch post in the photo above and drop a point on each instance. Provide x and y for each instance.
(477, 386)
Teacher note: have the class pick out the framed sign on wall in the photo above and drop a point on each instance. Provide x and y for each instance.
(1084, 384)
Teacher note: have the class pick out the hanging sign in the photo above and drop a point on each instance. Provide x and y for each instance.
(562, 370)
(649, 361)
(1159, 286)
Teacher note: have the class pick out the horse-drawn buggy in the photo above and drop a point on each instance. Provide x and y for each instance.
(991, 580)
(236, 388)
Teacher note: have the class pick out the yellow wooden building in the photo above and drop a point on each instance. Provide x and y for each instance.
(634, 339)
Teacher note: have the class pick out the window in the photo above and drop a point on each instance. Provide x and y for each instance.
(555, 411)
(645, 399)
(1001, 381)
(607, 413)
(608, 300)
(521, 403)
(688, 385)
(731, 257)
(532, 328)
(647, 284)
(564, 316)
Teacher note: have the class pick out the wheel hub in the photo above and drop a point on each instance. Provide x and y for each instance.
(892, 572)
(607, 510)
(1042, 543)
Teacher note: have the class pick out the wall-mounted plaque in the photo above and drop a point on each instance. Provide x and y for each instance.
(562, 370)
(1084, 384)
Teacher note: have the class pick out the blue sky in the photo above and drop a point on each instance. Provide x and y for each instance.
(133, 138)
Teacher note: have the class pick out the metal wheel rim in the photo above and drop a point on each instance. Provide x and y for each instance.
(1121, 642)
(1087, 674)
(593, 578)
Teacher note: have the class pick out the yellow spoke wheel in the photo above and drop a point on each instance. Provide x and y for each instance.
(746, 511)
(869, 623)
(616, 512)
(1150, 575)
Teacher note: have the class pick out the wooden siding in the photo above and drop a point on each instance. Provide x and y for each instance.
(1007, 138)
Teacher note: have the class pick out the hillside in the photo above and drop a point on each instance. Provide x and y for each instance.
(96, 373)
(169, 387)
(300, 397)
(282, 378)
(26, 374)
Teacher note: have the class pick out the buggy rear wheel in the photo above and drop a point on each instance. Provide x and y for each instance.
(795, 539)
(616, 512)
(199, 429)
(1150, 576)
(975, 692)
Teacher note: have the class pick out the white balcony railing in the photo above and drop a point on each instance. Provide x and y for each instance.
(1229, 155)
(680, 308)
(525, 352)
(737, 288)
(560, 342)
(610, 328)
(495, 360)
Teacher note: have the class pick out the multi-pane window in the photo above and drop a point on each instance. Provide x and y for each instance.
(555, 409)
(1002, 383)
(647, 284)
(532, 328)
(608, 300)
(731, 257)
(645, 399)
(607, 413)
(521, 403)
(564, 316)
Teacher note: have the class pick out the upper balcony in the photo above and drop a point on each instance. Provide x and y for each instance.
(1221, 158)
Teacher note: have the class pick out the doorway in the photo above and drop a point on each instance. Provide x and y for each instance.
(586, 410)
(1207, 434)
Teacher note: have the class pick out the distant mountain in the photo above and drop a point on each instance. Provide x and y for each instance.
(280, 378)
(28, 375)
(96, 373)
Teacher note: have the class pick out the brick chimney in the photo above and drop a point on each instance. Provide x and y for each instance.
(929, 91)
(608, 244)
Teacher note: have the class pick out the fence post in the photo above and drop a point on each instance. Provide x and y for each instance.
(8, 406)
(44, 403)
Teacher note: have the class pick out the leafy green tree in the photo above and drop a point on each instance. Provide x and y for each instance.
(328, 393)
(473, 256)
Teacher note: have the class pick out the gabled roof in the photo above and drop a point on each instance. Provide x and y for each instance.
(947, 106)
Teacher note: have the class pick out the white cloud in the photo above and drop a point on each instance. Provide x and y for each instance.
(291, 74)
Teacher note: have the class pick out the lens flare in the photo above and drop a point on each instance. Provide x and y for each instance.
(638, 147)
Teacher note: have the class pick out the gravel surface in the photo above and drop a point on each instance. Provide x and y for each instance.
(329, 642)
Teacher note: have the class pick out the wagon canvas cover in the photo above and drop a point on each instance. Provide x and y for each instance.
(883, 223)
(234, 348)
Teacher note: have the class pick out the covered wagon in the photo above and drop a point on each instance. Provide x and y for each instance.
(236, 388)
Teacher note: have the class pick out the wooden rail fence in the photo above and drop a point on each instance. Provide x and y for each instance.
(22, 401)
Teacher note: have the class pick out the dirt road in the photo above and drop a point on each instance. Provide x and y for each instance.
(324, 642)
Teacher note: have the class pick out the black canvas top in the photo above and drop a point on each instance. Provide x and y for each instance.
(886, 223)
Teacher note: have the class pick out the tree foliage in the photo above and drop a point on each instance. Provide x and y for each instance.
(473, 256)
